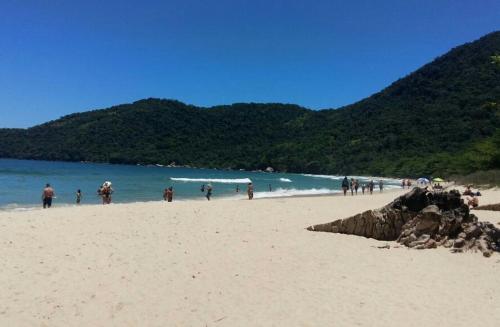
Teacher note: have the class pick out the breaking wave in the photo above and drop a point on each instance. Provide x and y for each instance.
(324, 176)
(213, 180)
(286, 180)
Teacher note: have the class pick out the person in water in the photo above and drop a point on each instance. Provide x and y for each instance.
(170, 194)
(165, 194)
(78, 196)
(237, 188)
(202, 188)
(209, 191)
(47, 195)
(270, 188)
(381, 185)
(106, 192)
(345, 185)
(250, 191)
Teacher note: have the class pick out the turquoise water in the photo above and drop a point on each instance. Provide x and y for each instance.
(22, 181)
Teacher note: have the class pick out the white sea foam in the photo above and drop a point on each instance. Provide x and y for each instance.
(17, 207)
(324, 176)
(362, 178)
(286, 180)
(283, 192)
(213, 180)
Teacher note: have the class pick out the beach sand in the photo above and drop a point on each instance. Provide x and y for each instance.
(232, 263)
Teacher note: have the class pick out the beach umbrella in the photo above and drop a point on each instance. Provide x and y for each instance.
(438, 180)
(423, 180)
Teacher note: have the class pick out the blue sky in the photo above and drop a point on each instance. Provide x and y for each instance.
(59, 57)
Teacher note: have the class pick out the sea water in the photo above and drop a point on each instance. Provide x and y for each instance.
(22, 182)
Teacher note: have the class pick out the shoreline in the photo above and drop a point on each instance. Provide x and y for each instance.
(235, 197)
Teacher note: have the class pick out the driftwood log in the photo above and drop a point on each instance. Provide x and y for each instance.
(492, 207)
(420, 219)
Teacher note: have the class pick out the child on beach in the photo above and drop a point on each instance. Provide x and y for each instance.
(78, 196)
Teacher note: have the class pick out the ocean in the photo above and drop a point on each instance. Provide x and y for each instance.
(22, 181)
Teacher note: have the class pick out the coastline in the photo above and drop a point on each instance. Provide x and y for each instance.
(235, 197)
(231, 263)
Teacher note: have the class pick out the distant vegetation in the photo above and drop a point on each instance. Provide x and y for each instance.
(490, 178)
(443, 119)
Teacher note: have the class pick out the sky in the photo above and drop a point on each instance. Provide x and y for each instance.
(58, 57)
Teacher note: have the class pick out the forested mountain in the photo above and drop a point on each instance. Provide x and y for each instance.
(442, 119)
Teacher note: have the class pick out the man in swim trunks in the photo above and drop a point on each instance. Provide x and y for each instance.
(170, 194)
(47, 195)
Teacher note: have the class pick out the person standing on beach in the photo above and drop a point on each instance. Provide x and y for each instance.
(250, 191)
(356, 186)
(351, 186)
(345, 185)
(370, 186)
(78, 196)
(169, 194)
(381, 185)
(209, 191)
(363, 186)
(47, 195)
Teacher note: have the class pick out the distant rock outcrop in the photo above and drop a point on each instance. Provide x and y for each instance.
(422, 220)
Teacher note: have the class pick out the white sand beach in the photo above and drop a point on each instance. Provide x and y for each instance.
(233, 263)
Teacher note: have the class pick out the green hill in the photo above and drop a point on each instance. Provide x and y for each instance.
(442, 119)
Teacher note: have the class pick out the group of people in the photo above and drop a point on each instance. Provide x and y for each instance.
(104, 191)
(353, 185)
(472, 197)
(208, 189)
(406, 183)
